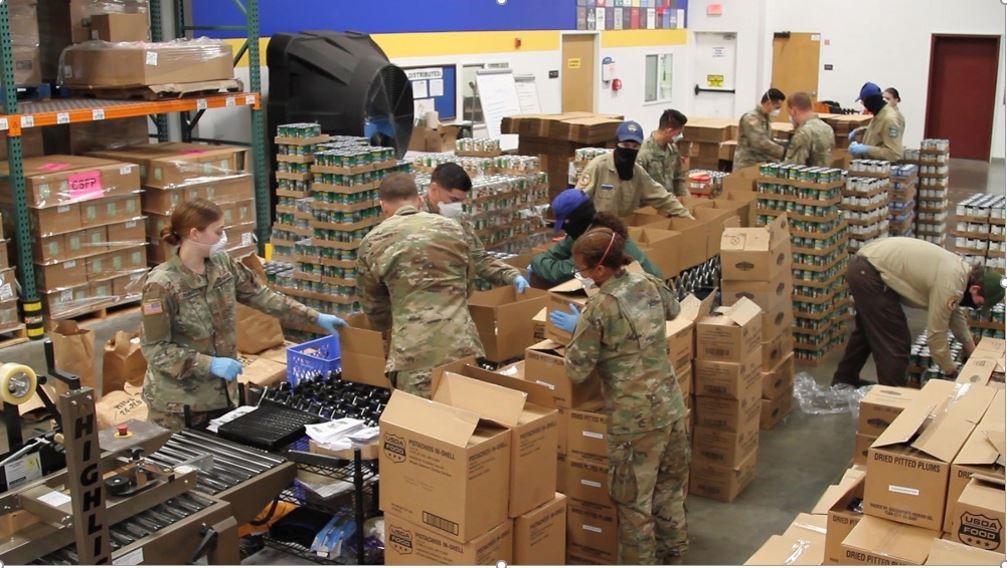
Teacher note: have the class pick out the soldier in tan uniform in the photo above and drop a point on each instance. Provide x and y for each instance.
(619, 185)
(812, 141)
(755, 132)
(621, 337)
(188, 327)
(898, 270)
(893, 99)
(659, 153)
(882, 140)
(415, 272)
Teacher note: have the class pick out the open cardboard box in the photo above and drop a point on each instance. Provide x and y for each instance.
(731, 334)
(979, 514)
(560, 298)
(875, 541)
(504, 320)
(836, 504)
(364, 352)
(544, 365)
(947, 553)
(802, 544)
(756, 253)
(660, 246)
(881, 406)
(982, 454)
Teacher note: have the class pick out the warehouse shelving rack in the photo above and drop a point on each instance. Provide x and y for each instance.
(15, 117)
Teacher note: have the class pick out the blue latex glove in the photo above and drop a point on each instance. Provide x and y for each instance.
(529, 270)
(225, 368)
(520, 284)
(330, 323)
(566, 321)
(858, 149)
(853, 133)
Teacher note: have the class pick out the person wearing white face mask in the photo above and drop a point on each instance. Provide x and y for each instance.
(755, 132)
(189, 335)
(659, 153)
(449, 188)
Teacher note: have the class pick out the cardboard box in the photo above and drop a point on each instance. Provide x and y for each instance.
(780, 380)
(109, 210)
(587, 480)
(861, 446)
(532, 420)
(881, 406)
(978, 370)
(440, 139)
(504, 320)
(756, 253)
(52, 220)
(731, 334)
(411, 544)
(775, 410)
(172, 164)
(139, 65)
(681, 342)
(877, 541)
(126, 233)
(560, 298)
(540, 534)
(442, 468)
(909, 464)
(778, 320)
(588, 436)
(661, 248)
(685, 381)
(58, 179)
(561, 473)
(61, 275)
(946, 553)
(767, 294)
(577, 555)
(776, 350)
(727, 379)
(544, 365)
(803, 544)
(363, 352)
(719, 482)
(978, 518)
(982, 454)
(595, 526)
(728, 449)
(729, 414)
(227, 188)
(838, 505)
(120, 27)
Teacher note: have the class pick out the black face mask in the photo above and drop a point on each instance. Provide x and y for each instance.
(967, 301)
(874, 103)
(579, 220)
(625, 159)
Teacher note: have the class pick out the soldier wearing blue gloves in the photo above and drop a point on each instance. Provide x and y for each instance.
(882, 139)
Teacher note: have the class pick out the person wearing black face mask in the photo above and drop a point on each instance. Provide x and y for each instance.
(883, 138)
(618, 185)
(575, 214)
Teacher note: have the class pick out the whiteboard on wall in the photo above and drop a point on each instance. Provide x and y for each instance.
(527, 94)
(716, 54)
(498, 96)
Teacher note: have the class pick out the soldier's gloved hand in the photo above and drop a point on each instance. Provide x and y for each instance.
(854, 133)
(520, 284)
(529, 270)
(566, 321)
(225, 368)
(330, 323)
(858, 149)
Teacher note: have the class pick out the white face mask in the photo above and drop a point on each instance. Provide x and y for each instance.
(452, 210)
(584, 281)
(678, 137)
(215, 247)
(774, 113)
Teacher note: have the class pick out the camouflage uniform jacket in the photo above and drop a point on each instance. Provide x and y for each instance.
(189, 318)
(664, 165)
(600, 181)
(884, 135)
(492, 270)
(414, 274)
(811, 144)
(755, 140)
(621, 335)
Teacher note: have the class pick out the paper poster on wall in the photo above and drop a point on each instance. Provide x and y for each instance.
(498, 97)
(436, 87)
(421, 107)
(527, 94)
(419, 90)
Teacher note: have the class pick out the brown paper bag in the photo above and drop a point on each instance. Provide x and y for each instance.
(256, 330)
(123, 362)
(73, 347)
(118, 407)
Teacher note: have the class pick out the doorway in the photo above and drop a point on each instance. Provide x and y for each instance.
(579, 66)
(961, 94)
(795, 65)
(715, 57)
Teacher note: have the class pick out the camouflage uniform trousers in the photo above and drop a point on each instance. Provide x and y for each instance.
(415, 381)
(647, 476)
(176, 422)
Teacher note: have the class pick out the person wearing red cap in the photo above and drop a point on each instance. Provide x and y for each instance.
(883, 138)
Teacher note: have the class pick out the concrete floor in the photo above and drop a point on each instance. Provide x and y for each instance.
(796, 461)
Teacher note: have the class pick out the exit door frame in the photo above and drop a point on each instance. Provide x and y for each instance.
(596, 42)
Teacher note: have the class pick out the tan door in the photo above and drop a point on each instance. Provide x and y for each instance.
(578, 73)
(795, 65)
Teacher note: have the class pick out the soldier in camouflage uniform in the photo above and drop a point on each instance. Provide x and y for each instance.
(449, 188)
(755, 132)
(188, 328)
(414, 275)
(883, 138)
(621, 337)
(812, 141)
(659, 153)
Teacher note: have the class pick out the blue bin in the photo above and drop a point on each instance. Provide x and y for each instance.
(302, 365)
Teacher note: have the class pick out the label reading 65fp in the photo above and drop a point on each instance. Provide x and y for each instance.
(85, 185)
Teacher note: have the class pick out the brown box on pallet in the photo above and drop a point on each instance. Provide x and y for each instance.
(8, 314)
(594, 526)
(877, 541)
(127, 233)
(587, 480)
(780, 379)
(53, 220)
(731, 334)
(61, 275)
(723, 483)
(8, 285)
(124, 65)
(85, 137)
(120, 27)
(411, 544)
(57, 179)
(117, 262)
(172, 164)
(881, 406)
(238, 212)
(68, 246)
(909, 464)
(110, 210)
(727, 379)
(982, 454)
(710, 130)
(540, 534)
(226, 188)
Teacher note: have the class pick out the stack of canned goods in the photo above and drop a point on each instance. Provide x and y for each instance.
(821, 276)
(293, 168)
(812, 227)
(807, 174)
(784, 206)
(354, 157)
(870, 167)
(700, 277)
(298, 186)
(802, 259)
(866, 186)
(482, 145)
(296, 149)
(935, 145)
(299, 130)
(987, 324)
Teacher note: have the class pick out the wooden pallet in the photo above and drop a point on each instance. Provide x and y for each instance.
(101, 313)
(160, 92)
(13, 336)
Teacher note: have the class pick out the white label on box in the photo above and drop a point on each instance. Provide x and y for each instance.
(200, 104)
(98, 114)
(151, 58)
(4, 125)
(124, 171)
(904, 490)
(230, 101)
(595, 435)
(27, 121)
(68, 71)
(62, 118)
(134, 558)
(247, 239)
(591, 528)
(249, 99)
(55, 499)
(22, 470)
(548, 385)
(6, 293)
(131, 225)
(63, 209)
(70, 264)
(589, 483)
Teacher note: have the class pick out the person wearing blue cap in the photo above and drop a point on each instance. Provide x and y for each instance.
(882, 140)
(755, 132)
(575, 214)
(617, 184)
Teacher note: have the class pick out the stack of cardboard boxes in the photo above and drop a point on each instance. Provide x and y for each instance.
(879, 407)
(728, 387)
(702, 140)
(9, 322)
(25, 45)
(756, 264)
(175, 172)
(842, 125)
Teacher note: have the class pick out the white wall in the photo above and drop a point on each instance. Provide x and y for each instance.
(631, 70)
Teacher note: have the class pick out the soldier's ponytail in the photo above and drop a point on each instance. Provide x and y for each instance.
(196, 214)
(602, 246)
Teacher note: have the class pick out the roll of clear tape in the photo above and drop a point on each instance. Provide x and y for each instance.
(17, 383)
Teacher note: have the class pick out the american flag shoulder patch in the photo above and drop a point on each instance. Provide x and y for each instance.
(152, 308)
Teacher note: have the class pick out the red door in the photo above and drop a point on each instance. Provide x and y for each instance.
(962, 93)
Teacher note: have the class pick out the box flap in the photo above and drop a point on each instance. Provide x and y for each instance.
(360, 337)
(915, 416)
(452, 425)
(492, 402)
(808, 526)
(742, 312)
(888, 539)
(996, 439)
(788, 551)
(836, 493)
(549, 347)
(694, 309)
(746, 239)
(537, 394)
(947, 553)
(954, 422)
